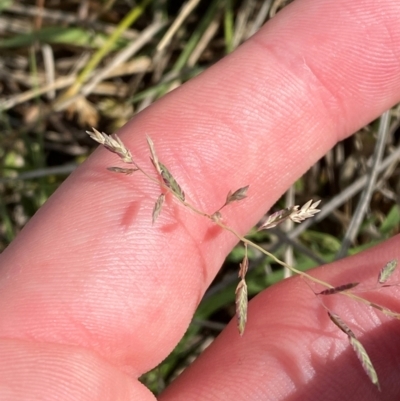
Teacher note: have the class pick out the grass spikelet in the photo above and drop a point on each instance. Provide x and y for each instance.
(365, 360)
(127, 171)
(276, 218)
(387, 271)
(171, 183)
(238, 195)
(241, 294)
(341, 324)
(157, 207)
(112, 143)
(153, 158)
(241, 305)
(308, 210)
(293, 213)
(340, 288)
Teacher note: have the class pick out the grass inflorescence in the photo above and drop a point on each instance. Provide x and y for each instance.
(167, 183)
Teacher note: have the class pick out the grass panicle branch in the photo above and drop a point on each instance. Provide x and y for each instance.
(168, 184)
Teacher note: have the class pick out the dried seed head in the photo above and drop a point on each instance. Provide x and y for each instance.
(308, 210)
(154, 158)
(341, 324)
(112, 143)
(387, 271)
(277, 218)
(171, 183)
(339, 288)
(241, 305)
(238, 195)
(157, 207)
(293, 213)
(365, 360)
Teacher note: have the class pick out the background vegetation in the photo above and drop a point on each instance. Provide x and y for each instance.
(66, 66)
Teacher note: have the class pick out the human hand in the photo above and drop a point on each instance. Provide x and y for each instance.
(92, 295)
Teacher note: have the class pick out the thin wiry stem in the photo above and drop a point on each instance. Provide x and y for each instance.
(124, 55)
(260, 19)
(288, 226)
(346, 194)
(362, 206)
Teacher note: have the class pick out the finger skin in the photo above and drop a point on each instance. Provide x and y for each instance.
(292, 351)
(91, 271)
(42, 371)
